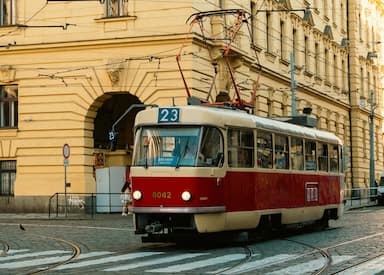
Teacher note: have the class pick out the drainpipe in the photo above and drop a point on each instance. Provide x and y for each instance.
(350, 99)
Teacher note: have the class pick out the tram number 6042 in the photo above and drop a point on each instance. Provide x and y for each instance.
(161, 195)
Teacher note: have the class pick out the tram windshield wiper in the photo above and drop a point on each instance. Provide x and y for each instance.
(146, 157)
(182, 155)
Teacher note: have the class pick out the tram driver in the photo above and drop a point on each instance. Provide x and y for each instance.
(211, 148)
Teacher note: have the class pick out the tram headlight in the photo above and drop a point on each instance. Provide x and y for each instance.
(186, 196)
(137, 195)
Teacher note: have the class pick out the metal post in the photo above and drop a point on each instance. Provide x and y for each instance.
(372, 184)
(293, 84)
(2, 13)
(65, 190)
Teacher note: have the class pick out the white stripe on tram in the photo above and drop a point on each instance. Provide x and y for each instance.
(199, 264)
(368, 268)
(33, 254)
(311, 266)
(155, 261)
(108, 260)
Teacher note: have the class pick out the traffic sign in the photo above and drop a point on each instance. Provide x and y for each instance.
(66, 151)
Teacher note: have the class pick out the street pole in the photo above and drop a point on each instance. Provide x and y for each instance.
(293, 84)
(66, 154)
(372, 184)
(65, 188)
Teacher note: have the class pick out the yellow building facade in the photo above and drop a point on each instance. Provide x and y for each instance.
(70, 69)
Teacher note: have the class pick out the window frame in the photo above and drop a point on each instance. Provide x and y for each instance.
(9, 108)
(11, 172)
(241, 148)
(7, 19)
(296, 154)
(121, 5)
(323, 157)
(310, 157)
(264, 163)
(282, 161)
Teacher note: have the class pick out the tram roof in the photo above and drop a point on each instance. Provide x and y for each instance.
(227, 117)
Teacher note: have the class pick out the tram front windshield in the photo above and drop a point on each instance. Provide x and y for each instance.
(179, 146)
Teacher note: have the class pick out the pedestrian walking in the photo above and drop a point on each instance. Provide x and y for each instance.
(126, 198)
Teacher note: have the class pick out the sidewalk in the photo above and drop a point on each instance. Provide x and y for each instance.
(114, 220)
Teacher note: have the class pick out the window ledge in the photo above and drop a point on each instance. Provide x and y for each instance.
(284, 62)
(116, 18)
(8, 132)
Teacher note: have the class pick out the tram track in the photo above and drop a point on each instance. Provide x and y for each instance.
(76, 251)
(357, 264)
(354, 241)
(324, 251)
(249, 254)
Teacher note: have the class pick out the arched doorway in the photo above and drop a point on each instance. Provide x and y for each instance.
(108, 114)
(110, 166)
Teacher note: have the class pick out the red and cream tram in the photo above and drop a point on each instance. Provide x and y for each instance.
(203, 169)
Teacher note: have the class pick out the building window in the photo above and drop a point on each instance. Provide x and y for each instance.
(282, 40)
(335, 70)
(7, 177)
(8, 106)
(253, 23)
(116, 8)
(268, 31)
(344, 74)
(7, 12)
(326, 65)
(221, 4)
(325, 8)
(317, 59)
(306, 53)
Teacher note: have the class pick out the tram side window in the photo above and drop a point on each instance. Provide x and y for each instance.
(240, 148)
(310, 155)
(264, 149)
(322, 156)
(281, 152)
(297, 153)
(333, 158)
(211, 153)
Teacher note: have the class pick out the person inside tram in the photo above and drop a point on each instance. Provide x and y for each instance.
(211, 149)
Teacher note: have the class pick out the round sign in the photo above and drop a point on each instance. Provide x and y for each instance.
(66, 151)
